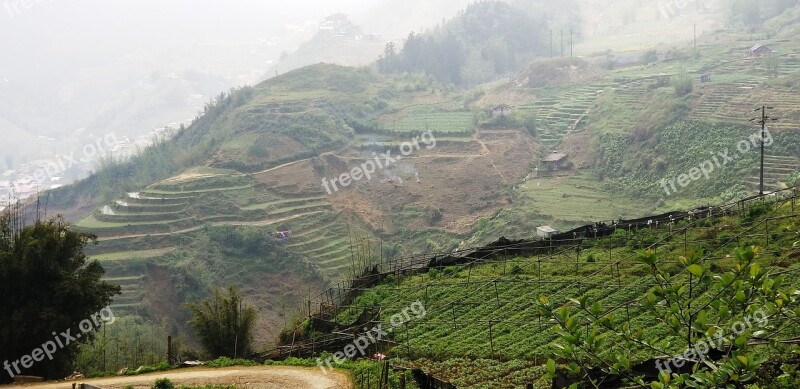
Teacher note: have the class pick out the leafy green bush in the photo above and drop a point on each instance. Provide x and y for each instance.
(745, 296)
(226, 362)
(757, 211)
(163, 383)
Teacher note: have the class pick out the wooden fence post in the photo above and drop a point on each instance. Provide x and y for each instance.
(491, 339)
(505, 259)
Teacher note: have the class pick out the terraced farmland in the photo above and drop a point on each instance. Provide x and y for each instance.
(574, 199)
(146, 226)
(776, 170)
(419, 119)
(560, 112)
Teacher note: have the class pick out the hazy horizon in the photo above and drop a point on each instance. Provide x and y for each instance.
(110, 67)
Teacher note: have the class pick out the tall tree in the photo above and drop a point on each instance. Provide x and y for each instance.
(225, 324)
(50, 296)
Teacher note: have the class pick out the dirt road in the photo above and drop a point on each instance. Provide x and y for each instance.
(262, 377)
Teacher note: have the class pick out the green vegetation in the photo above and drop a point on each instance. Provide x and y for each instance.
(735, 307)
(420, 119)
(47, 285)
(488, 39)
(488, 315)
(683, 84)
(165, 383)
(130, 342)
(225, 324)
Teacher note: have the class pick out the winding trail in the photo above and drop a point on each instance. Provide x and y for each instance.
(264, 377)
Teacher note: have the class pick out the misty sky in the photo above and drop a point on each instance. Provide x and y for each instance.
(71, 29)
(70, 64)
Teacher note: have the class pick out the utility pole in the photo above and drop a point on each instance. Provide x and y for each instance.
(571, 45)
(551, 43)
(562, 43)
(763, 121)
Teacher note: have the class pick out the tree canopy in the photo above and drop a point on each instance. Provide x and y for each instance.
(487, 39)
(47, 287)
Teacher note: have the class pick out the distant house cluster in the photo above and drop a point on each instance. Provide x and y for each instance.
(27, 180)
(337, 25)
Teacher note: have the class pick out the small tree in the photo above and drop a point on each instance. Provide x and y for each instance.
(650, 56)
(224, 324)
(683, 84)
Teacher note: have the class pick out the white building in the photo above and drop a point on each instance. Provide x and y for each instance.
(546, 232)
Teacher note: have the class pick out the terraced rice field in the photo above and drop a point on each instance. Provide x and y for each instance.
(143, 227)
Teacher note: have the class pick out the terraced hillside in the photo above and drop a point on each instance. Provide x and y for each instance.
(559, 113)
(776, 170)
(148, 226)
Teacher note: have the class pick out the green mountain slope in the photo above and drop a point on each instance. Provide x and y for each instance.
(482, 325)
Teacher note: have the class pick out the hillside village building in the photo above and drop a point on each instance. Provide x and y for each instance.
(759, 51)
(556, 161)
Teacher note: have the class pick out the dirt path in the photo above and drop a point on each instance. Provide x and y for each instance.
(476, 136)
(262, 377)
(255, 223)
(282, 166)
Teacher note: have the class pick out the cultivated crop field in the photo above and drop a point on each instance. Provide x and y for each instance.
(420, 119)
(482, 328)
